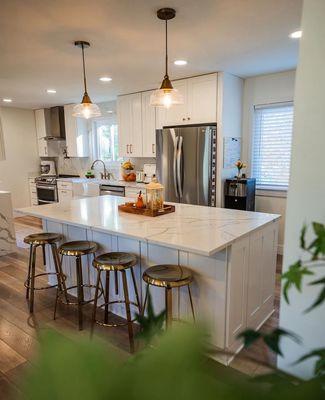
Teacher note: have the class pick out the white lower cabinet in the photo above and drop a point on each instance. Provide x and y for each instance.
(32, 192)
(65, 195)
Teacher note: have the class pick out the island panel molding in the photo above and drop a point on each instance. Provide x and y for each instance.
(231, 253)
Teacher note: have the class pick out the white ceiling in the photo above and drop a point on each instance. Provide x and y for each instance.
(243, 37)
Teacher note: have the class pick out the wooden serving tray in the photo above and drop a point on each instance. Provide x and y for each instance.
(145, 211)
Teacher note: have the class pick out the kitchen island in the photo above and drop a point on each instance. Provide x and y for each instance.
(232, 255)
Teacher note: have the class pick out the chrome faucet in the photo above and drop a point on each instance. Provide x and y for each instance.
(106, 174)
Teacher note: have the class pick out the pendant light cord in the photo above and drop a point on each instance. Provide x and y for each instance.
(166, 59)
(84, 67)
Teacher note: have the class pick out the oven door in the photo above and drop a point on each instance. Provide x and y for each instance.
(46, 194)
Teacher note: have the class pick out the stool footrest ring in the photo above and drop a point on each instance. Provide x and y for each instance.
(114, 325)
(75, 303)
(27, 284)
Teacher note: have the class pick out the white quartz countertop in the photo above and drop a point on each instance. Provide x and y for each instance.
(198, 229)
(103, 182)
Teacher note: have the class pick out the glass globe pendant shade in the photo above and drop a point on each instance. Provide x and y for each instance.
(166, 96)
(86, 109)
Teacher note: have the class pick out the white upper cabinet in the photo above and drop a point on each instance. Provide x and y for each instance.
(200, 103)
(40, 123)
(138, 120)
(148, 126)
(76, 131)
(129, 115)
(202, 99)
(177, 114)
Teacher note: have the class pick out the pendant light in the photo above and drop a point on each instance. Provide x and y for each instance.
(86, 109)
(166, 95)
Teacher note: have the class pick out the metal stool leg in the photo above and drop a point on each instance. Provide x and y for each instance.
(136, 291)
(169, 307)
(128, 312)
(44, 255)
(116, 282)
(32, 280)
(106, 297)
(93, 320)
(79, 291)
(29, 270)
(191, 301)
(145, 300)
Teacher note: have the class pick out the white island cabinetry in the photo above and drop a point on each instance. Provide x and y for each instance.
(232, 255)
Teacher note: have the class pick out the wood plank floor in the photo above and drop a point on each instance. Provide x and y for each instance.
(19, 331)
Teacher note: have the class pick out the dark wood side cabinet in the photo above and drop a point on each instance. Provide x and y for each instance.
(240, 194)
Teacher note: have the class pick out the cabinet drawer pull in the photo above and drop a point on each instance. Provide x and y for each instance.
(153, 148)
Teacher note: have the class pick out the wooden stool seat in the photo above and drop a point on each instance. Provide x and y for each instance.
(115, 262)
(77, 249)
(35, 240)
(43, 238)
(168, 276)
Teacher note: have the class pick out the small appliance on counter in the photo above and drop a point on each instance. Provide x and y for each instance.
(240, 194)
(48, 168)
(149, 171)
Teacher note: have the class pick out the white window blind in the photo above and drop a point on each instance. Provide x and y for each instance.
(272, 145)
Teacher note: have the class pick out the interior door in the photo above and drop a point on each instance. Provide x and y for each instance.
(166, 141)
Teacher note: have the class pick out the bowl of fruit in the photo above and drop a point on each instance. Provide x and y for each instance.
(128, 171)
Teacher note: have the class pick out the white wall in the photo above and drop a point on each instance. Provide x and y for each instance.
(265, 89)
(306, 194)
(229, 117)
(21, 158)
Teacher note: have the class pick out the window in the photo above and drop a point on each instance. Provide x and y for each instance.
(105, 140)
(272, 145)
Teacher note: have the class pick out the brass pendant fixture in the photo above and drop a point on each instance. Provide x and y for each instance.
(166, 95)
(86, 109)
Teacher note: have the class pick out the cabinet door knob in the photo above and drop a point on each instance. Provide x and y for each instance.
(184, 119)
(188, 118)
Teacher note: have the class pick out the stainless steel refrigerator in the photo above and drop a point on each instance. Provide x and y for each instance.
(186, 163)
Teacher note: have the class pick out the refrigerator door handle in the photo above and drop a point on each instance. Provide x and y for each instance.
(175, 166)
(179, 164)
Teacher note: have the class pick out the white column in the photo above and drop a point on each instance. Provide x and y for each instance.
(306, 195)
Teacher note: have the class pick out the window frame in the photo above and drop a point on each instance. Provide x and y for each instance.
(268, 190)
(94, 140)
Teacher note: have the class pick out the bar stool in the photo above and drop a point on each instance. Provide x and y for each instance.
(168, 277)
(35, 240)
(76, 249)
(115, 262)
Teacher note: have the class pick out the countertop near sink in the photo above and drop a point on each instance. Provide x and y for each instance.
(104, 182)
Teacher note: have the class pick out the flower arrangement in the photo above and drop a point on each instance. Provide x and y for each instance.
(240, 165)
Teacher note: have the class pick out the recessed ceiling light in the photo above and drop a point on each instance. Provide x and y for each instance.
(295, 35)
(180, 62)
(105, 79)
(110, 112)
(7, 100)
(51, 90)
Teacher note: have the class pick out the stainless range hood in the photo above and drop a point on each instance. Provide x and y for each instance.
(54, 121)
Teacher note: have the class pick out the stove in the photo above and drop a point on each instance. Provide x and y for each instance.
(46, 188)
